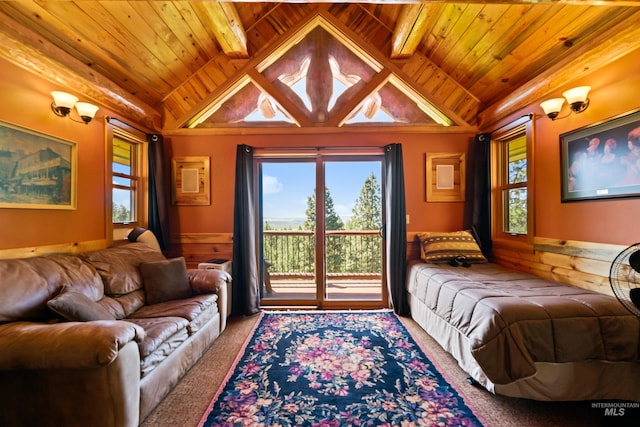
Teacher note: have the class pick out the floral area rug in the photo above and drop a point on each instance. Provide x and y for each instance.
(357, 368)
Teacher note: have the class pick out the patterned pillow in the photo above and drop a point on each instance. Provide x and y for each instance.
(445, 246)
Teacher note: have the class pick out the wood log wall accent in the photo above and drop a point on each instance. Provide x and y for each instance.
(582, 264)
(62, 248)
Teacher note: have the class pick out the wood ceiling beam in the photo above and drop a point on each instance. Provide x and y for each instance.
(225, 23)
(616, 42)
(340, 116)
(286, 103)
(410, 28)
(24, 48)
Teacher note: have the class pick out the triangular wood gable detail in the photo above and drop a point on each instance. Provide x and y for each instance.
(258, 84)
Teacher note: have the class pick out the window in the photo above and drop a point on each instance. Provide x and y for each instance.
(318, 78)
(512, 197)
(127, 173)
(124, 183)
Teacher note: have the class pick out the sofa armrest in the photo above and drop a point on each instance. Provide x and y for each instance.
(208, 281)
(28, 345)
(212, 281)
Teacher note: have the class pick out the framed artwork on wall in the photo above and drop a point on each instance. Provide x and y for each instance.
(601, 161)
(445, 177)
(190, 181)
(37, 171)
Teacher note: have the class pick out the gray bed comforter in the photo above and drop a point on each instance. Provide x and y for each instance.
(514, 320)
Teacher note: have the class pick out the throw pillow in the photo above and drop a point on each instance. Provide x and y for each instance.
(447, 246)
(77, 307)
(165, 280)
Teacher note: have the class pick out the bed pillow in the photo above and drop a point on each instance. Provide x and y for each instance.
(77, 307)
(446, 246)
(165, 280)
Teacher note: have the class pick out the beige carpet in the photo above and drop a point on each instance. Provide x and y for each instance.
(188, 402)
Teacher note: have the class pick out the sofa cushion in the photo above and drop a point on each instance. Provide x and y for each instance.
(119, 266)
(162, 336)
(130, 303)
(165, 280)
(77, 307)
(197, 310)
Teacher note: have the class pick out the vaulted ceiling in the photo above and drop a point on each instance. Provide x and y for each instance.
(162, 63)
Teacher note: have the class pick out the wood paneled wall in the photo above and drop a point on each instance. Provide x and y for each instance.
(201, 247)
(582, 264)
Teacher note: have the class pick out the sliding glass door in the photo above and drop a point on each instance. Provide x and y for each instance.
(320, 238)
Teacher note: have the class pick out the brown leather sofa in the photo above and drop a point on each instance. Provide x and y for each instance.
(100, 338)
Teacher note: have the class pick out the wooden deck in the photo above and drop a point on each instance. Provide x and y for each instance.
(341, 289)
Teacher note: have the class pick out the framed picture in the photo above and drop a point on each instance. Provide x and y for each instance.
(190, 181)
(602, 161)
(37, 171)
(445, 177)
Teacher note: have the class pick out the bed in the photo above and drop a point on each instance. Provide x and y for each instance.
(522, 336)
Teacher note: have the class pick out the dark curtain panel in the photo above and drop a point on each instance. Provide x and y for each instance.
(395, 228)
(478, 218)
(245, 289)
(158, 204)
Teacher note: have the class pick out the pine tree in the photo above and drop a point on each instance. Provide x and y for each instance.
(366, 216)
(121, 213)
(366, 211)
(332, 220)
(334, 247)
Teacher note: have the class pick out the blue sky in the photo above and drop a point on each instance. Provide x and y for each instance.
(287, 186)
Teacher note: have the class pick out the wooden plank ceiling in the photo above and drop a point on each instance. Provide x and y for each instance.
(159, 63)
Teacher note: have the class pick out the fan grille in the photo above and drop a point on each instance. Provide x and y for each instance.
(623, 278)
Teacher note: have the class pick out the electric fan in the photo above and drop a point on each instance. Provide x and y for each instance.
(624, 277)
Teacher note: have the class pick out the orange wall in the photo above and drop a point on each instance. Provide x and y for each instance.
(615, 90)
(218, 218)
(26, 102)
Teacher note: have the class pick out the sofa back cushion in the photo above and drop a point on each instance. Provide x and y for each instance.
(119, 266)
(27, 284)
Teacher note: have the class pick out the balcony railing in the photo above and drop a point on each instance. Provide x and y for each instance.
(349, 253)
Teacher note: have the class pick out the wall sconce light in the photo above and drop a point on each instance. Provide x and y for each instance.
(64, 102)
(577, 98)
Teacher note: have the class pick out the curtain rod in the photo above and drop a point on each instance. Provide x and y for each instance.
(109, 119)
(530, 116)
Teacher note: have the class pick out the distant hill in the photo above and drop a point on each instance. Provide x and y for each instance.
(290, 223)
(284, 223)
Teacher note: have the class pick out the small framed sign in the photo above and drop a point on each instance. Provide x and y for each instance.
(445, 177)
(190, 181)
